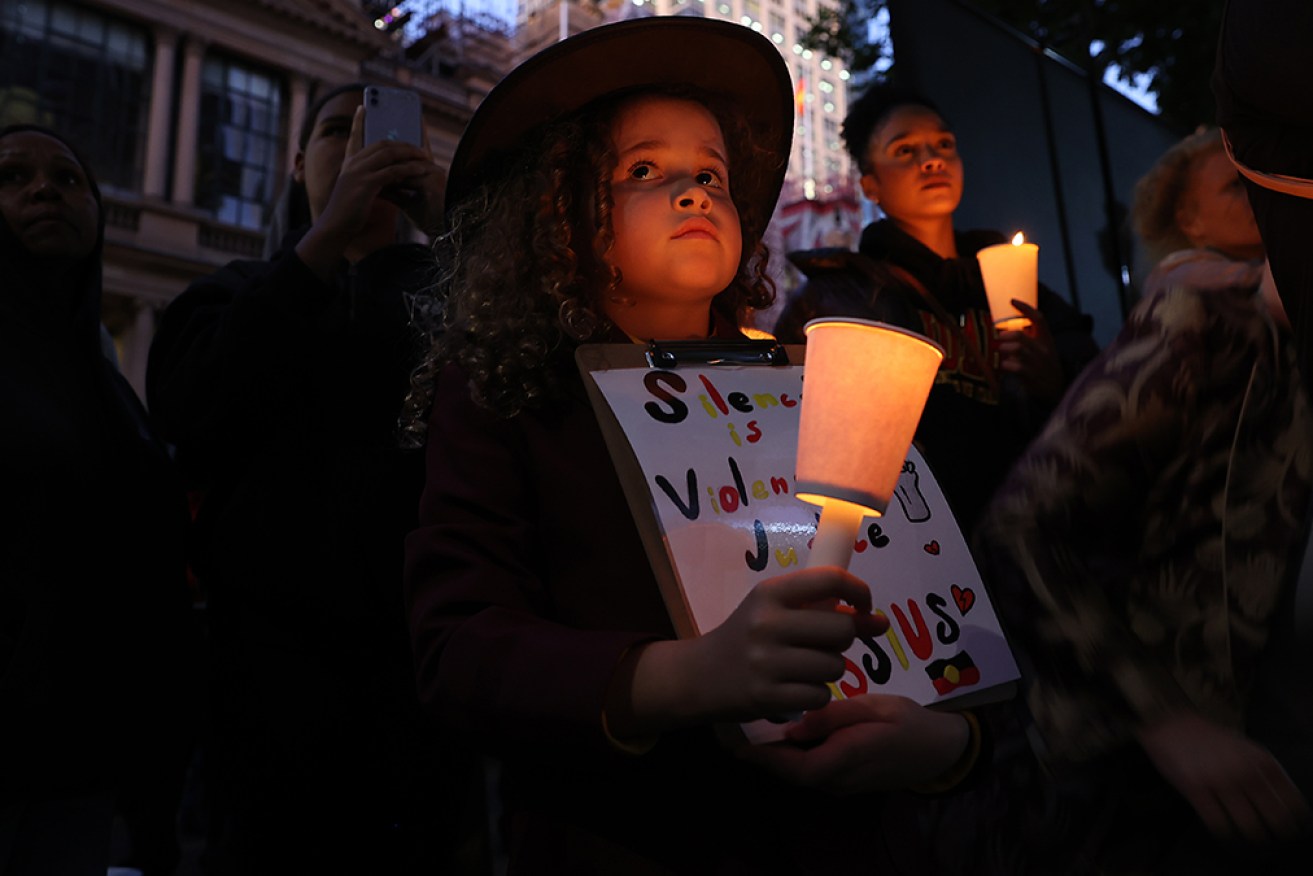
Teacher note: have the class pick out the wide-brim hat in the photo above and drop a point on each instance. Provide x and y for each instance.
(717, 57)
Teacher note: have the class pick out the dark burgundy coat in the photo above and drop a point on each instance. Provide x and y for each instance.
(526, 583)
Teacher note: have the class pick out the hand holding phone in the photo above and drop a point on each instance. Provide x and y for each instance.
(385, 158)
(392, 114)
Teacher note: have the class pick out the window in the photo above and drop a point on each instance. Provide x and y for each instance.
(83, 74)
(831, 129)
(240, 141)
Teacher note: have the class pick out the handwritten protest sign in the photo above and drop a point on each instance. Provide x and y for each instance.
(716, 447)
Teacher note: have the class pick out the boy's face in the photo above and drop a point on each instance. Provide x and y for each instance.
(916, 172)
(677, 233)
(319, 164)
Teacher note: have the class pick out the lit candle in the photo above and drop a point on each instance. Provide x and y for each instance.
(1010, 270)
(864, 387)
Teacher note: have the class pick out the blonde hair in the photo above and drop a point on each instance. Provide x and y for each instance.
(1158, 194)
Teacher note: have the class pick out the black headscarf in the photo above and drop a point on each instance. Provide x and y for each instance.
(1266, 109)
(47, 294)
(92, 524)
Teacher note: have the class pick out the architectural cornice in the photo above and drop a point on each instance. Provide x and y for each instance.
(324, 39)
(340, 18)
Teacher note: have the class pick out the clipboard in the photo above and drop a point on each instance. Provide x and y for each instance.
(669, 354)
(917, 646)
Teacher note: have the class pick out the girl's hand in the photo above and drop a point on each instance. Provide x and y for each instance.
(782, 646)
(1235, 784)
(869, 743)
(1032, 355)
(775, 654)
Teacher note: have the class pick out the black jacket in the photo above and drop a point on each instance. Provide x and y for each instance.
(93, 593)
(282, 395)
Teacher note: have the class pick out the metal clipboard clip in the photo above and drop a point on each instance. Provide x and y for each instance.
(672, 354)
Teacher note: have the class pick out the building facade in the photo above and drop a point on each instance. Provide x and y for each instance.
(189, 113)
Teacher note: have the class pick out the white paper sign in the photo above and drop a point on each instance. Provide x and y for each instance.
(717, 447)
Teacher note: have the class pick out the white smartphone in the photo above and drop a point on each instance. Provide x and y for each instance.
(392, 114)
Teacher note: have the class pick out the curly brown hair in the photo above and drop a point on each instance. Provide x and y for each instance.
(526, 257)
(1158, 194)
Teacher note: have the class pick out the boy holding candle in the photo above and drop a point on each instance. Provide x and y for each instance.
(913, 269)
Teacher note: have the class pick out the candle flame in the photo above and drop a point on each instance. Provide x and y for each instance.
(1018, 239)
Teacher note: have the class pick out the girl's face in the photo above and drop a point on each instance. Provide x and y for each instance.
(916, 172)
(677, 233)
(45, 196)
(318, 165)
(1214, 210)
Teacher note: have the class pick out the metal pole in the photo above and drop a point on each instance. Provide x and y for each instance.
(1055, 171)
(1105, 168)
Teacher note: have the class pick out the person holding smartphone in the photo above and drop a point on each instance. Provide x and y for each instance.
(280, 383)
(356, 189)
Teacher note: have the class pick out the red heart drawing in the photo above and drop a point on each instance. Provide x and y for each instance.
(933, 548)
(964, 598)
(860, 546)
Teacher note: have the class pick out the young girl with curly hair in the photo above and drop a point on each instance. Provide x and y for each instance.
(616, 187)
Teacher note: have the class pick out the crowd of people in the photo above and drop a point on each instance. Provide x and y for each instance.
(383, 445)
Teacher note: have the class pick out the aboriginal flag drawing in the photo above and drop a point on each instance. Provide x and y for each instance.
(957, 671)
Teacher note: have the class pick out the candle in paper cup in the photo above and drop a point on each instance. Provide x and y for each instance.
(865, 384)
(1010, 270)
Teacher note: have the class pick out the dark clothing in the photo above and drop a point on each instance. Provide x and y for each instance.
(282, 394)
(1265, 107)
(527, 584)
(1157, 516)
(1141, 554)
(93, 595)
(1162, 504)
(973, 427)
(91, 537)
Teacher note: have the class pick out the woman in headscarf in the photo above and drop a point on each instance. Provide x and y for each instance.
(93, 594)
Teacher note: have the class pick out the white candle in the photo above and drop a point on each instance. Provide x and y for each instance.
(1011, 270)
